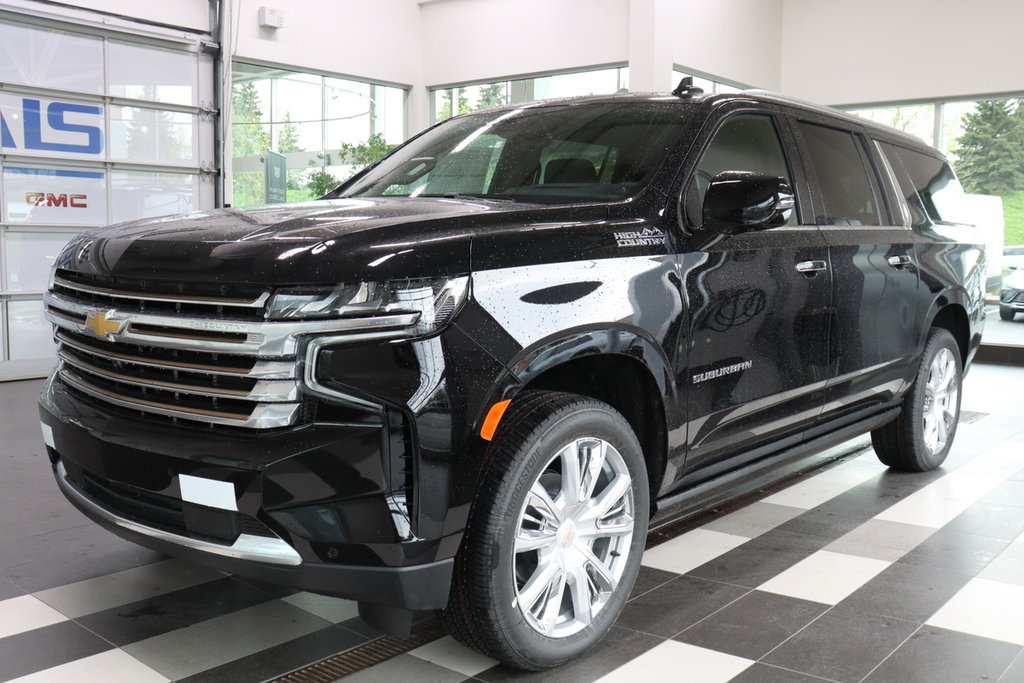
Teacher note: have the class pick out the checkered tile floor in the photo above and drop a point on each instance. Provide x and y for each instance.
(854, 573)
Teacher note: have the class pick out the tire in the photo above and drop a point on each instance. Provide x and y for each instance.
(546, 566)
(1006, 313)
(920, 437)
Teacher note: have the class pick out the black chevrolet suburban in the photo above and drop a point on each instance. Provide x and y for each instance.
(471, 377)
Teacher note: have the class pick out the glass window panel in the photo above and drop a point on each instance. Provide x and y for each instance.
(250, 99)
(916, 119)
(304, 136)
(247, 188)
(298, 97)
(30, 256)
(50, 59)
(391, 113)
(846, 195)
(31, 335)
(142, 195)
(745, 142)
(154, 74)
(151, 135)
(54, 196)
(576, 84)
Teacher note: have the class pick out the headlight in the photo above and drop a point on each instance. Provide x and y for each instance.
(435, 300)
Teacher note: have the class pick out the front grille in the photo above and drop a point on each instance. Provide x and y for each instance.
(196, 352)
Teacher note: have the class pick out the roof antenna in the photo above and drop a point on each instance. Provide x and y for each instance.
(686, 88)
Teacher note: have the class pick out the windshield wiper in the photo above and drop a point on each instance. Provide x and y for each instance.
(464, 195)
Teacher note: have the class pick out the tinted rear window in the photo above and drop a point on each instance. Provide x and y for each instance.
(928, 184)
(846, 196)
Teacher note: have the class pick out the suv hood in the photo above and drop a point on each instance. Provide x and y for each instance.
(324, 241)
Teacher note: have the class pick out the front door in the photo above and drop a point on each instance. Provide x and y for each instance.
(757, 357)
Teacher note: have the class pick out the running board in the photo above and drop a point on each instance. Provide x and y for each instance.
(758, 473)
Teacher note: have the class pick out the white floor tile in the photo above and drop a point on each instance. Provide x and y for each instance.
(941, 501)
(26, 613)
(451, 654)
(990, 609)
(675, 661)
(825, 577)
(130, 585)
(331, 609)
(881, 540)
(691, 550)
(821, 488)
(187, 651)
(754, 519)
(112, 665)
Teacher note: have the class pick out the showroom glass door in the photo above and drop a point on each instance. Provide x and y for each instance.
(98, 126)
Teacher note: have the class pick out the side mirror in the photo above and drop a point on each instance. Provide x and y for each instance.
(740, 201)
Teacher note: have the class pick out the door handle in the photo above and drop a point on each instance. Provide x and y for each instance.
(899, 261)
(811, 267)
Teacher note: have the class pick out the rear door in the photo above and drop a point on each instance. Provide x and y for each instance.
(874, 322)
(758, 302)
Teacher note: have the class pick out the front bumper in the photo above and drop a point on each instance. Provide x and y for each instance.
(309, 507)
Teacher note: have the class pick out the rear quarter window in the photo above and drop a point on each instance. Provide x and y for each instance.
(928, 184)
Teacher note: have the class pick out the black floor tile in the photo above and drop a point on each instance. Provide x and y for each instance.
(650, 578)
(281, 659)
(42, 648)
(908, 592)
(677, 605)
(934, 654)
(761, 558)
(41, 574)
(845, 644)
(1015, 673)
(753, 625)
(994, 520)
(957, 552)
(618, 647)
(9, 589)
(763, 673)
(147, 618)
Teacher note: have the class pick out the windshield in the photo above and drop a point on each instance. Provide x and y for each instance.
(549, 154)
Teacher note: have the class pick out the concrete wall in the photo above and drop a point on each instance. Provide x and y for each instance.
(841, 52)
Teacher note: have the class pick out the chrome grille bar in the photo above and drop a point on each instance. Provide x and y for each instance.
(258, 302)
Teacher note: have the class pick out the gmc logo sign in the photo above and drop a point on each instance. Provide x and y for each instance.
(47, 128)
(75, 201)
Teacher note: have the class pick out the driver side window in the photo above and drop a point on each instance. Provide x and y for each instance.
(745, 142)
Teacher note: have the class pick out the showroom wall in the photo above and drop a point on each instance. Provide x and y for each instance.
(884, 51)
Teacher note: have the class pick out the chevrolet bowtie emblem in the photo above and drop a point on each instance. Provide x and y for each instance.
(103, 327)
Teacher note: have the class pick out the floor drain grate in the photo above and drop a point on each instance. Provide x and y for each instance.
(363, 657)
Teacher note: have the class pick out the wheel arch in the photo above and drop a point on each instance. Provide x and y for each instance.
(620, 367)
(953, 318)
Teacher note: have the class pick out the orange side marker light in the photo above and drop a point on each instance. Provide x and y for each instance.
(493, 418)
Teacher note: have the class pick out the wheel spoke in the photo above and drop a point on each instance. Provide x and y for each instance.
(581, 591)
(609, 510)
(593, 456)
(539, 588)
(600, 575)
(552, 602)
(572, 476)
(528, 540)
(548, 512)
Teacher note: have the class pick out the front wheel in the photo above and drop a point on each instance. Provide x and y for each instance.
(1006, 313)
(920, 437)
(555, 535)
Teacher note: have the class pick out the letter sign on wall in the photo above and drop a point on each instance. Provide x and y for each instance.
(40, 127)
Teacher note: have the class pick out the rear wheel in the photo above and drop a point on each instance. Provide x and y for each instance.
(555, 535)
(1006, 313)
(920, 437)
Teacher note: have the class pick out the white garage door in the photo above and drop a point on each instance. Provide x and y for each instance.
(97, 127)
